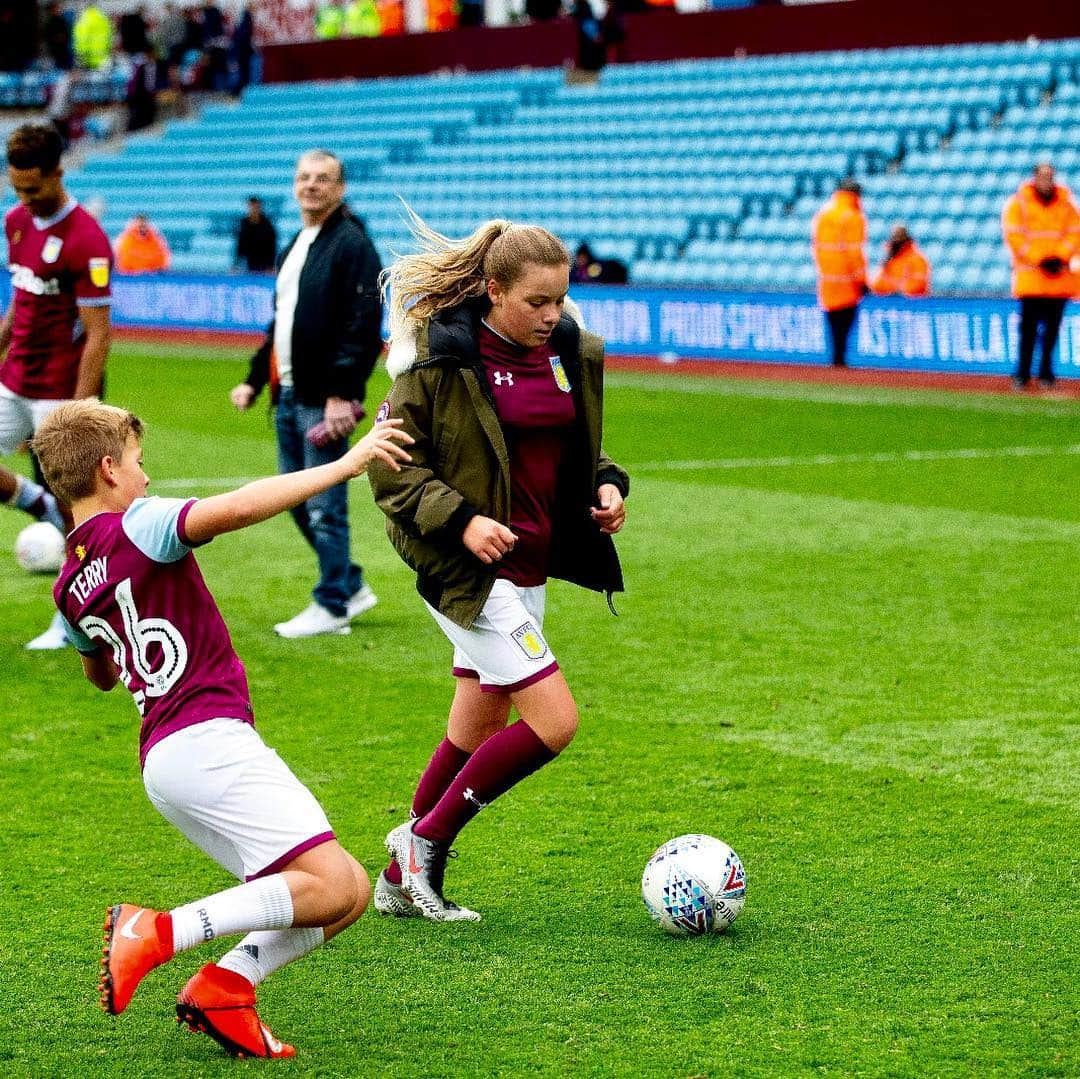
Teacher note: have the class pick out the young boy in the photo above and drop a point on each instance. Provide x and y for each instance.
(137, 609)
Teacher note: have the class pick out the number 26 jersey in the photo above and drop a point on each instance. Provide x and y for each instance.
(131, 587)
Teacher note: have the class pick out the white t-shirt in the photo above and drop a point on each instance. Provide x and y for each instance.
(286, 292)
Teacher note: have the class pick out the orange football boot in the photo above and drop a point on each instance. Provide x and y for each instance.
(136, 941)
(221, 1003)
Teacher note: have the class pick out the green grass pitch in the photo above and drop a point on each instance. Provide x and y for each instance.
(849, 648)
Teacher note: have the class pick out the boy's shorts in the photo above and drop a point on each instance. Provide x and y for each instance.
(234, 797)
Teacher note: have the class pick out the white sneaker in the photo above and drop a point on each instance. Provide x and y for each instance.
(363, 599)
(52, 639)
(311, 621)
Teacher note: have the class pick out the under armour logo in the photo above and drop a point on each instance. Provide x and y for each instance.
(503, 376)
(470, 795)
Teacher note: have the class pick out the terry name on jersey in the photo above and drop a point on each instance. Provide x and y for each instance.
(91, 576)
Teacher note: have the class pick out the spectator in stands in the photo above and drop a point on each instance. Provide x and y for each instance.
(193, 33)
(362, 19)
(242, 48)
(134, 37)
(169, 36)
(141, 94)
(215, 45)
(317, 356)
(1041, 224)
(256, 239)
(472, 13)
(140, 248)
(56, 36)
(63, 112)
(543, 10)
(839, 233)
(18, 36)
(905, 271)
(587, 269)
(591, 48)
(442, 14)
(391, 17)
(330, 20)
(93, 38)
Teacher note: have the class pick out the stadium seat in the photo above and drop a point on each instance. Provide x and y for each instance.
(642, 164)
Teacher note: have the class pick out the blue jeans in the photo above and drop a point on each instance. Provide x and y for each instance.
(323, 520)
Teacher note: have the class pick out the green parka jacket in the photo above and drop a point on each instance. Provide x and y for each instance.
(461, 467)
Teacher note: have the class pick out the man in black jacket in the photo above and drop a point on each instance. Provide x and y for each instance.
(317, 356)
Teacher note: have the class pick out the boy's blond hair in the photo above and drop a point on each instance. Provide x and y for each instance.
(74, 439)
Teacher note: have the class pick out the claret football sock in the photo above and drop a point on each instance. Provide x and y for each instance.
(257, 905)
(505, 759)
(447, 760)
(258, 955)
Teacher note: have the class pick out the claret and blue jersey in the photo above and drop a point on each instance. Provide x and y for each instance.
(132, 587)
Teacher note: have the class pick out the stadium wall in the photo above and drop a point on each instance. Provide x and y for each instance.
(854, 24)
(954, 335)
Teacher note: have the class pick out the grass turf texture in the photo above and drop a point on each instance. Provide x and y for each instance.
(861, 673)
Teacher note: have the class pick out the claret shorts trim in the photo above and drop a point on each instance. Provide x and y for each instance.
(505, 647)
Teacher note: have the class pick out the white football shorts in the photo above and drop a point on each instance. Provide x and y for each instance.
(505, 648)
(20, 417)
(234, 797)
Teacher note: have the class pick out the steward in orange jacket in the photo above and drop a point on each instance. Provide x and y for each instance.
(140, 248)
(1041, 225)
(839, 234)
(905, 271)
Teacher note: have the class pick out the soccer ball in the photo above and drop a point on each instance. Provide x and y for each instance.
(40, 548)
(694, 884)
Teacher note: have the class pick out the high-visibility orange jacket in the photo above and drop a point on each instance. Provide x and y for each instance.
(907, 273)
(442, 15)
(391, 17)
(1037, 230)
(141, 249)
(839, 234)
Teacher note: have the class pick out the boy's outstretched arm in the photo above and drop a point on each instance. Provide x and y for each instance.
(258, 501)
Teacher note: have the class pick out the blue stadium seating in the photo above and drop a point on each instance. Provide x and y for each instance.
(694, 172)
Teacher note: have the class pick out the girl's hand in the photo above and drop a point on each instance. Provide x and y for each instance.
(611, 515)
(487, 539)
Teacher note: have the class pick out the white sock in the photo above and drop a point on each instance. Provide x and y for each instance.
(259, 904)
(258, 955)
(26, 492)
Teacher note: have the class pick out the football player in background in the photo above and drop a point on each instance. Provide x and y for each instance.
(54, 338)
(138, 611)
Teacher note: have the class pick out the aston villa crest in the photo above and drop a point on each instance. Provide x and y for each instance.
(559, 372)
(51, 251)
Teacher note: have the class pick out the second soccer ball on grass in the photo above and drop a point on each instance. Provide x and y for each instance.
(39, 548)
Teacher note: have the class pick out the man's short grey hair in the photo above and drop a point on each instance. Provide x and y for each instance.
(325, 155)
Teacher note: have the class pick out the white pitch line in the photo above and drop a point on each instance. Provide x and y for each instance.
(825, 394)
(885, 458)
(722, 463)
